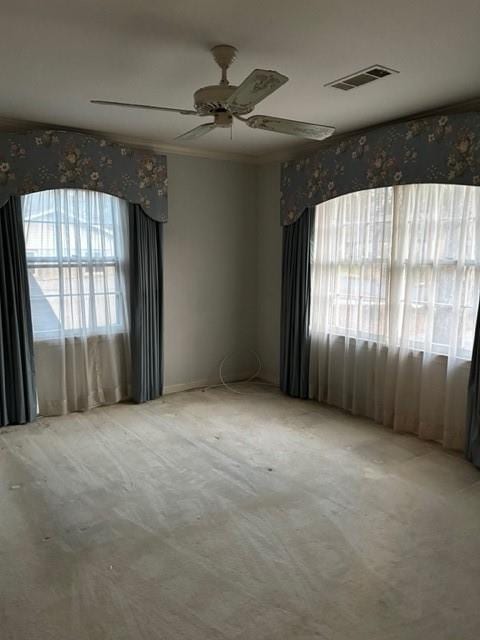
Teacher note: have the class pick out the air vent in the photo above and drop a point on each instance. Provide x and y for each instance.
(343, 86)
(362, 77)
(379, 72)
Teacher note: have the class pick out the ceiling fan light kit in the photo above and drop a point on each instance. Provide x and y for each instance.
(224, 102)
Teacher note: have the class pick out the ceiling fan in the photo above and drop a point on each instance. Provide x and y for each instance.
(224, 102)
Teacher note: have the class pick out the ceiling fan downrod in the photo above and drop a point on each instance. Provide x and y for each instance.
(224, 55)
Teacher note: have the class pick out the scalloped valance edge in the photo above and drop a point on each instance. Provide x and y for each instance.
(435, 149)
(42, 159)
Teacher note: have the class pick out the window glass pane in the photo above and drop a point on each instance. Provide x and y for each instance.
(75, 254)
(471, 287)
(449, 238)
(418, 283)
(466, 330)
(416, 328)
(445, 285)
(107, 309)
(348, 280)
(45, 314)
(75, 280)
(44, 281)
(41, 238)
(76, 313)
(442, 327)
(341, 312)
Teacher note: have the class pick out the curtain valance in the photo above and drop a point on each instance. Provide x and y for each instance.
(48, 159)
(437, 149)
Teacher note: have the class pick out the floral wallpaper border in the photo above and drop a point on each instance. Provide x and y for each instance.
(441, 149)
(48, 159)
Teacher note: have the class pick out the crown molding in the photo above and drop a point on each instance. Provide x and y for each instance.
(13, 124)
(297, 151)
(287, 154)
(300, 151)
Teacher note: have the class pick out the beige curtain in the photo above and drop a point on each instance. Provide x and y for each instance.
(395, 286)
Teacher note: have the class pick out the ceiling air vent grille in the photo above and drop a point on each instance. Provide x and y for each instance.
(365, 76)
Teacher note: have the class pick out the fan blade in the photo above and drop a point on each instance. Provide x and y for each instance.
(256, 87)
(185, 112)
(199, 131)
(291, 127)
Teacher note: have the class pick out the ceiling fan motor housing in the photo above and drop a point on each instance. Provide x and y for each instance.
(223, 119)
(212, 99)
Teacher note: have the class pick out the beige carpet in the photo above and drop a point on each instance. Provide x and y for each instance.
(210, 515)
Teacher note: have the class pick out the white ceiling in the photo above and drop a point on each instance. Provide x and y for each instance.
(57, 54)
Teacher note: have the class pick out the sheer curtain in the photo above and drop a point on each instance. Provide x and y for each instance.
(395, 287)
(77, 258)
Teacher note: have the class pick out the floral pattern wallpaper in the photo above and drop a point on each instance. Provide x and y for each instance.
(442, 149)
(47, 159)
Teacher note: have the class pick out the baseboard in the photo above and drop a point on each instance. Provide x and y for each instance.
(270, 376)
(205, 382)
(185, 386)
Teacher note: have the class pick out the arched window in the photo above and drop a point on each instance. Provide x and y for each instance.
(76, 244)
(395, 289)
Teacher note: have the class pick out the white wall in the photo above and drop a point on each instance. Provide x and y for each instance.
(269, 255)
(210, 270)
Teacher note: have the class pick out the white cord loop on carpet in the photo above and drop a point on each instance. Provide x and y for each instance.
(251, 379)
